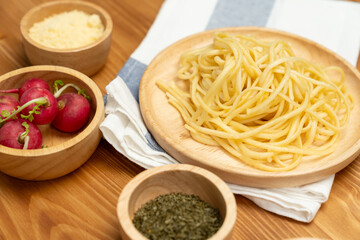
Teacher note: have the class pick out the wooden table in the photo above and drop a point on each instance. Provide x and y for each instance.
(82, 205)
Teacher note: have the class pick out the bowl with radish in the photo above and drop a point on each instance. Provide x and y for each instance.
(49, 121)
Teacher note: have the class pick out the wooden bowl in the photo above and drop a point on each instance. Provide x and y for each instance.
(64, 152)
(167, 126)
(88, 59)
(183, 178)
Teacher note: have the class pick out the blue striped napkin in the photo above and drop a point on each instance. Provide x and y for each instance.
(328, 22)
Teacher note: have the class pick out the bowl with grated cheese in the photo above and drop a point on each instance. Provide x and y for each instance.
(73, 34)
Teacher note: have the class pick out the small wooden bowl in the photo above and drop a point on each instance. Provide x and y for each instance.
(88, 59)
(183, 178)
(64, 152)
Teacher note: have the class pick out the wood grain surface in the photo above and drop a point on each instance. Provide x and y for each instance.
(82, 205)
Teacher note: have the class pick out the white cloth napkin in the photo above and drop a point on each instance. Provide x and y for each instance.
(334, 24)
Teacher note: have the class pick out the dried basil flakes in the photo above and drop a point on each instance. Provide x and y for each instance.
(177, 216)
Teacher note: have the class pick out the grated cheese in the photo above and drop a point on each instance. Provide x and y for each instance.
(67, 30)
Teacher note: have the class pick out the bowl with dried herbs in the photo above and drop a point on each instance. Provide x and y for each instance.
(176, 201)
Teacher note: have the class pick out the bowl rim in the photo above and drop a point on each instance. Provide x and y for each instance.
(106, 34)
(99, 111)
(124, 199)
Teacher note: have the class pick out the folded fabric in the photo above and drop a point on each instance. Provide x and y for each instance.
(330, 23)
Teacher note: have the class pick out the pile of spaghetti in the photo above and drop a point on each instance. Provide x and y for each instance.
(260, 102)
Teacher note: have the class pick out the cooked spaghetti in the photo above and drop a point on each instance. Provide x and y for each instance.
(260, 102)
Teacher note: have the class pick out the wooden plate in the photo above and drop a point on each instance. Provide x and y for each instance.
(167, 126)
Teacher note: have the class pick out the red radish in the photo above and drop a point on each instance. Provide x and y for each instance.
(73, 109)
(41, 102)
(73, 112)
(31, 83)
(21, 134)
(34, 82)
(9, 104)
